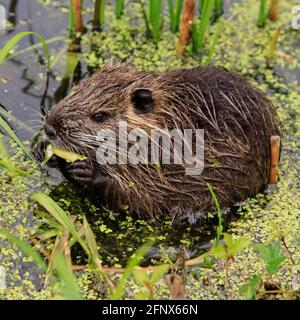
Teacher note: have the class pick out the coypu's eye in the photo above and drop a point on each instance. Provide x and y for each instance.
(99, 117)
(142, 100)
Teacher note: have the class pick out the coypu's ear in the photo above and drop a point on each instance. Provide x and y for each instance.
(142, 100)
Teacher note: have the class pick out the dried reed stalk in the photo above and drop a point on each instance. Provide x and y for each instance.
(275, 152)
(78, 16)
(186, 25)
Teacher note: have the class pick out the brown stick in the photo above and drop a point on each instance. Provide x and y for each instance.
(275, 151)
(78, 16)
(185, 25)
(274, 10)
(189, 263)
(177, 287)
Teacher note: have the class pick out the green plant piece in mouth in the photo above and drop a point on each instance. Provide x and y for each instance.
(66, 155)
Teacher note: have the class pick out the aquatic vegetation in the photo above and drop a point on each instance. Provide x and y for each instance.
(273, 44)
(153, 18)
(98, 20)
(214, 41)
(119, 8)
(175, 10)
(11, 44)
(6, 127)
(262, 14)
(71, 18)
(200, 27)
(218, 8)
(132, 263)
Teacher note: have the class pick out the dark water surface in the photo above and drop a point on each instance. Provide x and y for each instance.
(23, 78)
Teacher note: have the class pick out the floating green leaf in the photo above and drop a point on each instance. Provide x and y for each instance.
(230, 247)
(250, 288)
(235, 246)
(271, 254)
(219, 252)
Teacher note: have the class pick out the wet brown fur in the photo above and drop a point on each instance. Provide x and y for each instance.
(238, 120)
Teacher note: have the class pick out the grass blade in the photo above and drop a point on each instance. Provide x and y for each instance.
(262, 15)
(218, 8)
(273, 44)
(98, 20)
(214, 41)
(119, 8)
(38, 45)
(204, 23)
(220, 220)
(61, 216)
(12, 170)
(155, 10)
(65, 273)
(3, 152)
(172, 14)
(12, 134)
(18, 122)
(175, 13)
(202, 7)
(92, 244)
(71, 18)
(178, 11)
(132, 263)
(4, 52)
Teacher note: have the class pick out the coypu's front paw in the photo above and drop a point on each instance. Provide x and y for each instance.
(81, 172)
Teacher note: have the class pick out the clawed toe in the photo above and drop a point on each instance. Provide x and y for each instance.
(81, 172)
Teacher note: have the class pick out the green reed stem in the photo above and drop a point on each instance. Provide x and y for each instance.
(262, 15)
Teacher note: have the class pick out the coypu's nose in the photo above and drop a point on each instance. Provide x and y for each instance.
(50, 132)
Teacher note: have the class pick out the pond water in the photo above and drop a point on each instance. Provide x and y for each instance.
(23, 80)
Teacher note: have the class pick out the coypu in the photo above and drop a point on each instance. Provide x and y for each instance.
(238, 121)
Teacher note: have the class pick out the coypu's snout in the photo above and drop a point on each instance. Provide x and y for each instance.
(50, 132)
